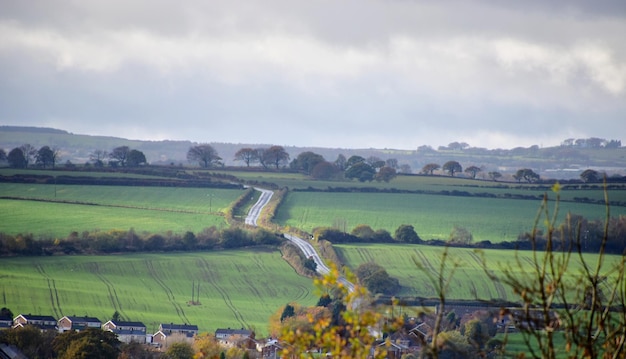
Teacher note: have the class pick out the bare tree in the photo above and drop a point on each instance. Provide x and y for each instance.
(247, 155)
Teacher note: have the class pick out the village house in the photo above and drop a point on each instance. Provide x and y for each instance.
(127, 332)
(241, 338)
(174, 333)
(43, 322)
(6, 322)
(68, 323)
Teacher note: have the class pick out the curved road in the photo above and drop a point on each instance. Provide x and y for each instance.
(255, 211)
(305, 247)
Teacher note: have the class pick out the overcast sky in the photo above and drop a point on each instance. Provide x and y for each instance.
(352, 74)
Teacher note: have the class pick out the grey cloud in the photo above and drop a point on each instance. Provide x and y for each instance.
(350, 73)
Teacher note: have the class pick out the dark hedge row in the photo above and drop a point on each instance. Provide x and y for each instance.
(117, 241)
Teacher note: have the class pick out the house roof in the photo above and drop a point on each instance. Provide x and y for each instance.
(233, 332)
(126, 324)
(172, 326)
(37, 317)
(82, 319)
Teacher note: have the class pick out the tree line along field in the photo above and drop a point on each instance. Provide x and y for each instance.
(56, 210)
(469, 281)
(433, 216)
(237, 288)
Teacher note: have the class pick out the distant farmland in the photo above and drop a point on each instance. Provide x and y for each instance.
(432, 216)
(237, 288)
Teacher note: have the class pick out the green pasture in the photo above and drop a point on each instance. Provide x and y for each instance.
(237, 288)
(432, 216)
(437, 184)
(149, 209)
(470, 280)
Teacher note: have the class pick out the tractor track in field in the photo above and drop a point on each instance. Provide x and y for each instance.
(168, 292)
(52, 288)
(500, 290)
(80, 203)
(113, 298)
(204, 266)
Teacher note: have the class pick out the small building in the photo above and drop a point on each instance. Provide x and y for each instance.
(78, 323)
(127, 332)
(241, 338)
(174, 333)
(43, 322)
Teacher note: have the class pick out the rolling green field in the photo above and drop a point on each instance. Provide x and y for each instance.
(150, 209)
(432, 216)
(237, 288)
(470, 280)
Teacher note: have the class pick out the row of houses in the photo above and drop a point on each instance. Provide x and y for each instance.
(126, 331)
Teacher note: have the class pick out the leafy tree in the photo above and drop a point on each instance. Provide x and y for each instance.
(180, 350)
(590, 175)
(120, 154)
(17, 159)
(204, 154)
(306, 161)
(324, 301)
(288, 312)
(363, 231)
(476, 333)
(354, 160)
(361, 171)
(247, 155)
(206, 346)
(406, 233)
(452, 167)
(46, 157)
(345, 333)
(324, 170)
(430, 168)
(376, 279)
(87, 344)
(375, 162)
(275, 156)
(385, 174)
(3, 155)
(526, 174)
(6, 313)
(495, 175)
(473, 170)
(310, 264)
(116, 317)
(136, 158)
(31, 341)
(341, 162)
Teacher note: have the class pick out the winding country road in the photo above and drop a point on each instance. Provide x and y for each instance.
(305, 246)
(255, 211)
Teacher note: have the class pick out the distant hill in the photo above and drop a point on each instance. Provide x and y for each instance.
(560, 162)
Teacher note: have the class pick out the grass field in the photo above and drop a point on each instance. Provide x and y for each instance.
(470, 280)
(434, 184)
(151, 209)
(237, 288)
(433, 216)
